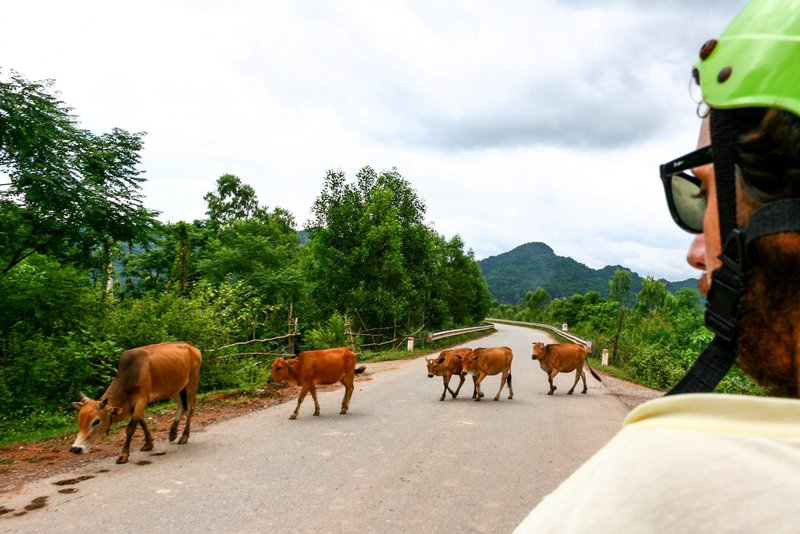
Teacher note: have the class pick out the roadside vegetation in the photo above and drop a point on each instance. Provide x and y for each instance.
(653, 337)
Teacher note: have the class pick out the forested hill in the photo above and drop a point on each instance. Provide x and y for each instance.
(512, 274)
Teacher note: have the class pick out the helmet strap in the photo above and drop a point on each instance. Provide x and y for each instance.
(728, 280)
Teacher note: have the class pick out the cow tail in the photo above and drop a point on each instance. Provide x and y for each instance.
(361, 369)
(508, 380)
(593, 373)
(184, 399)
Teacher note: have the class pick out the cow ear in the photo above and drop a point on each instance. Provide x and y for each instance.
(77, 405)
(115, 410)
(440, 360)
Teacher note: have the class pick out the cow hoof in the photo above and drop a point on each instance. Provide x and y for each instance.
(441, 399)
(292, 417)
(477, 399)
(569, 392)
(343, 412)
(510, 397)
(147, 447)
(497, 398)
(122, 460)
(550, 392)
(583, 392)
(316, 414)
(172, 435)
(183, 440)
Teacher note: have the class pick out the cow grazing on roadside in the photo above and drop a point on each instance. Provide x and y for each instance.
(145, 374)
(447, 364)
(315, 367)
(483, 362)
(562, 358)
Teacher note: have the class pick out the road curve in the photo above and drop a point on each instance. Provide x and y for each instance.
(400, 461)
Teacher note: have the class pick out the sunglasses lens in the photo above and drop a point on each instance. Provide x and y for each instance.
(690, 204)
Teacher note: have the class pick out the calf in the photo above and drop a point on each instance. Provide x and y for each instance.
(562, 358)
(145, 374)
(446, 365)
(483, 362)
(313, 367)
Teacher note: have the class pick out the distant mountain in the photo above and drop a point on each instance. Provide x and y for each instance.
(509, 276)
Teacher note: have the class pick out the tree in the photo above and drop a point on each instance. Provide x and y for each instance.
(69, 191)
(535, 302)
(373, 253)
(619, 288)
(233, 201)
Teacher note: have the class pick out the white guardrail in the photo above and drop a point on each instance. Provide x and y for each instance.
(433, 336)
(563, 333)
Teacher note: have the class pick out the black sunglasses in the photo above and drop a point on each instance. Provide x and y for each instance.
(686, 202)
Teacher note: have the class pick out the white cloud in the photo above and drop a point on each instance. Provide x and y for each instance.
(516, 121)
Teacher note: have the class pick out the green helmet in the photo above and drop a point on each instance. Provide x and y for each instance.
(756, 61)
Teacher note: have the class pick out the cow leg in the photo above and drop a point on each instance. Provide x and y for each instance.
(173, 429)
(583, 376)
(550, 376)
(303, 393)
(348, 393)
(446, 378)
(191, 400)
(189, 396)
(478, 386)
(126, 448)
(446, 388)
(474, 387)
(148, 437)
(461, 383)
(577, 377)
(313, 389)
(503, 378)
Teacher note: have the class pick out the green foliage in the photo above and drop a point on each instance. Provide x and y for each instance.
(373, 254)
(329, 334)
(69, 191)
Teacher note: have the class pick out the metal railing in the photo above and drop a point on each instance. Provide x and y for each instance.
(433, 336)
(563, 333)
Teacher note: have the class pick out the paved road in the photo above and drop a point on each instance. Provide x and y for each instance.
(400, 461)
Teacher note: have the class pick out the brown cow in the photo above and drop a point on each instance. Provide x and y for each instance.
(483, 362)
(562, 358)
(446, 365)
(314, 367)
(145, 374)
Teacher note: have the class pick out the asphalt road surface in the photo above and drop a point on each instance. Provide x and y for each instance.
(399, 461)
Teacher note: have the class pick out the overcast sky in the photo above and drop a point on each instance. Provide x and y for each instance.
(515, 121)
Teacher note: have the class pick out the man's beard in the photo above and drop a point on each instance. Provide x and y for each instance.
(769, 315)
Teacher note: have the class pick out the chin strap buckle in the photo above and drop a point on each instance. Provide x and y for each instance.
(727, 286)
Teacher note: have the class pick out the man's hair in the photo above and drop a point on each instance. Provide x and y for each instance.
(769, 153)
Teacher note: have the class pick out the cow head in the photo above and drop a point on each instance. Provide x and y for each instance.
(94, 421)
(283, 372)
(538, 350)
(435, 366)
(468, 361)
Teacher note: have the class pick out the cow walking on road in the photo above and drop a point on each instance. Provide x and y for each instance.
(562, 358)
(316, 367)
(447, 364)
(145, 374)
(483, 362)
